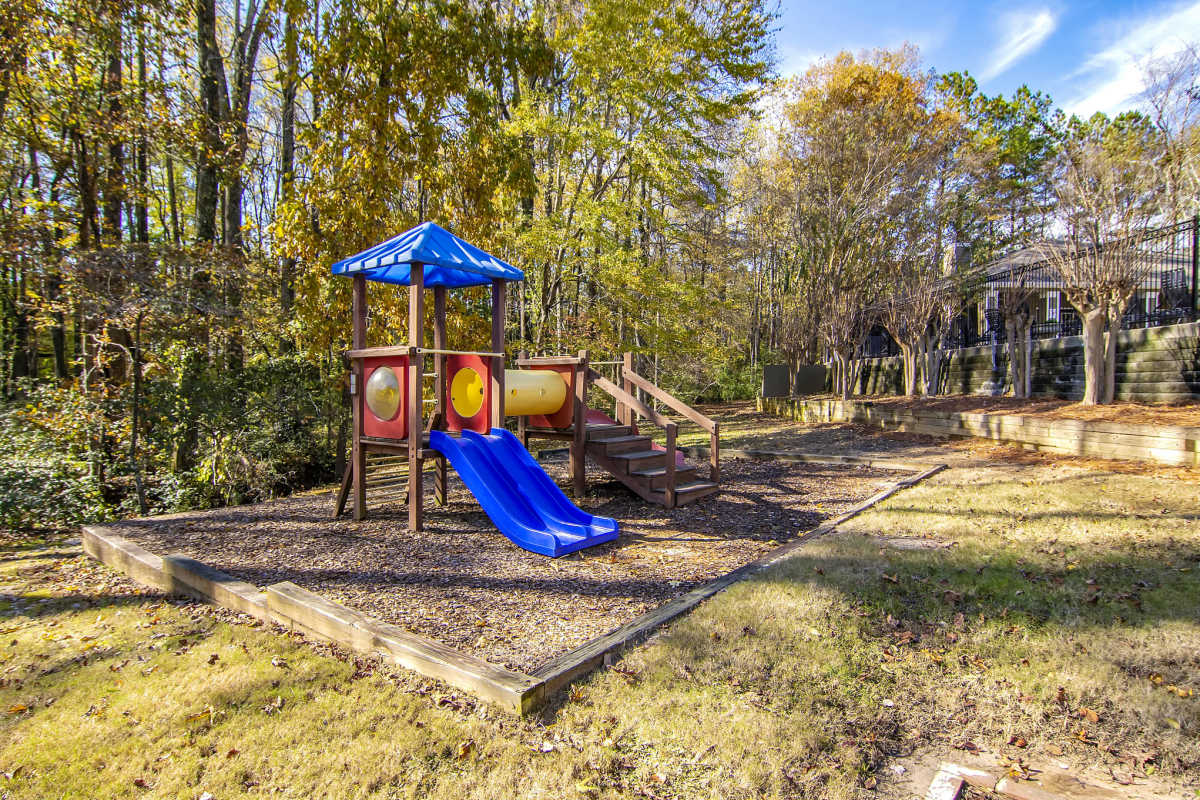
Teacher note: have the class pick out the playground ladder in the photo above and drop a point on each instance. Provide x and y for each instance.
(633, 460)
(655, 473)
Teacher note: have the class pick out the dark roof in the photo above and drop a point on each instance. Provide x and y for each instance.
(446, 260)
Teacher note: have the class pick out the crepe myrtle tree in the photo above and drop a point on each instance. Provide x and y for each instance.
(1016, 304)
(1107, 190)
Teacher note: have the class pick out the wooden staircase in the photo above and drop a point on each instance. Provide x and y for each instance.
(632, 459)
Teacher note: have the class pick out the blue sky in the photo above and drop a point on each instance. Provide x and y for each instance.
(1086, 54)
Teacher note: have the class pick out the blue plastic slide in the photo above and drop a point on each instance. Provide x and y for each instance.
(517, 494)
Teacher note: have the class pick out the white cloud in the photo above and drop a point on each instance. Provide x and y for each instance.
(793, 61)
(1021, 33)
(1114, 76)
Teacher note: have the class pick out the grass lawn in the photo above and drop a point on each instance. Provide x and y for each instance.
(1036, 614)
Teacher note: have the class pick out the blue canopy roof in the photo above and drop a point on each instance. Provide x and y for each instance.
(446, 259)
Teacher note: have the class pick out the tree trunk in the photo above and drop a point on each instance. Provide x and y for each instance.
(114, 188)
(208, 56)
(143, 157)
(290, 69)
(1015, 377)
(908, 361)
(135, 416)
(1094, 361)
(1110, 352)
(234, 271)
(1027, 335)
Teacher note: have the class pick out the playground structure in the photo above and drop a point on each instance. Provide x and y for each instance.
(472, 393)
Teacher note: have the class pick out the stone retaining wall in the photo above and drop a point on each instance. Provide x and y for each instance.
(1153, 365)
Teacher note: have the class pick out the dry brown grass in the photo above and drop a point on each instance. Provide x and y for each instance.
(1185, 414)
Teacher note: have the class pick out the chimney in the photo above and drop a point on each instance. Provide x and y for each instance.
(954, 258)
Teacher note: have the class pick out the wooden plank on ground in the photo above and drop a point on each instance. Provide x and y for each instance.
(196, 579)
(109, 548)
(301, 609)
(560, 671)
(900, 465)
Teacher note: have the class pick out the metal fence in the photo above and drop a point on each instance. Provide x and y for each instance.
(1167, 295)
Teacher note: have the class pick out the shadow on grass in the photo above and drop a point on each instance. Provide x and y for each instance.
(1074, 587)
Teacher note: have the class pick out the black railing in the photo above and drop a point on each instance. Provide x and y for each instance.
(1167, 295)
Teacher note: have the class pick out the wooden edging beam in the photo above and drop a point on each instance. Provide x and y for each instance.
(899, 465)
(296, 608)
(560, 671)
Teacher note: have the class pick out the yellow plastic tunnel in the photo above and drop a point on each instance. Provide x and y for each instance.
(533, 391)
(526, 392)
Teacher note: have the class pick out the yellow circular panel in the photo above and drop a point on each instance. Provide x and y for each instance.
(466, 392)
(383, 393)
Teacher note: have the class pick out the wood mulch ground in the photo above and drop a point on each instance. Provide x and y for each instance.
(463, 583)
(1184, 414)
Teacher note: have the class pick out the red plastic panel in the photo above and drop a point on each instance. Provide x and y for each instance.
(396, 426)
(560, 419)
(480, 421)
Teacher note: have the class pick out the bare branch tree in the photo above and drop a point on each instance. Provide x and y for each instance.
(1107, 187)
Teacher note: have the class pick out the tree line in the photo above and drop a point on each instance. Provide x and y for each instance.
(877, 189)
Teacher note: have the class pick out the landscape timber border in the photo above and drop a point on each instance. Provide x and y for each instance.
(298, 609)
(1163, 444)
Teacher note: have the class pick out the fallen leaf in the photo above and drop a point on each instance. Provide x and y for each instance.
(465, 749)
(17, 708)
(1017, 741)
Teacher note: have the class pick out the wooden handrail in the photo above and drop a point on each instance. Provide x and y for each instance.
(710, 425)
(407, 350)
(676, 404)
(600, 382)
(550, 361)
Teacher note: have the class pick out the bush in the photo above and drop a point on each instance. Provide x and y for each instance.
(40, 498)
(44, 483)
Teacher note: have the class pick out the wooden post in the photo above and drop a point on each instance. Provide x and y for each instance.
(497, 410)
(672, 432)
(714, 454)
(630, 418)
(579, 427)
(439, 369)
(1196, 265)
(523, 421)
(416, 366)
(358, 339)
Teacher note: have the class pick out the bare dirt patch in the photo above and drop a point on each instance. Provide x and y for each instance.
(1184, 415)
(463, 583)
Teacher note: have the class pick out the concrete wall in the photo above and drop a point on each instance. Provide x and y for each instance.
(1153, 365)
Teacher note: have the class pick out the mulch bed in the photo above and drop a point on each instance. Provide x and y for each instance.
(463, 583)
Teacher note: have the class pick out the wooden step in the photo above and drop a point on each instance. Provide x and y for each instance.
(597, 432)
(656, 477)
(623, 444)
(638, 459)
(689, 492)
